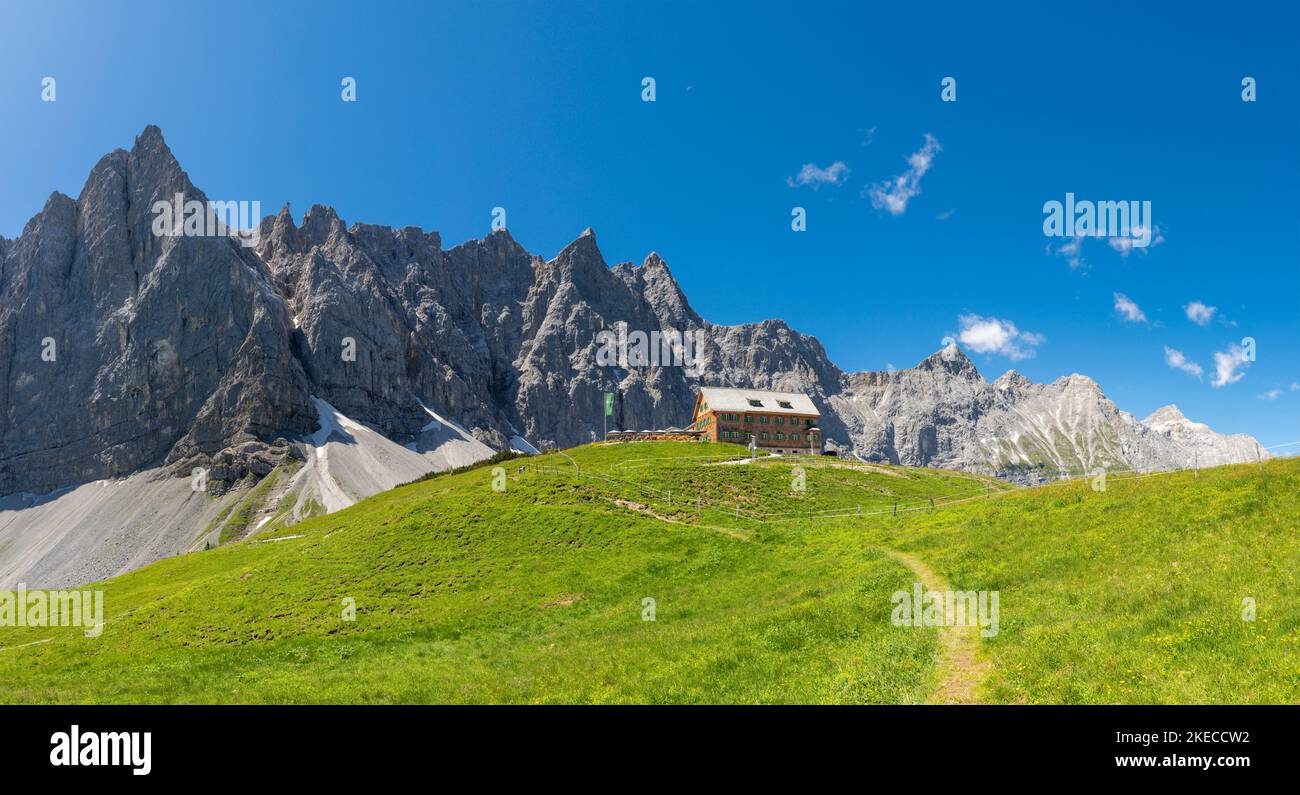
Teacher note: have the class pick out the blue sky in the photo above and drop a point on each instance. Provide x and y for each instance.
(537, 107)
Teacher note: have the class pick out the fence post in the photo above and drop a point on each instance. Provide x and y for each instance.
(895, 506)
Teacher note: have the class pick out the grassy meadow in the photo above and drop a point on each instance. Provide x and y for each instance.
(776, 589)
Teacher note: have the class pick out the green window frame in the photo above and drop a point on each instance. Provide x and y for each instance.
(794, 437)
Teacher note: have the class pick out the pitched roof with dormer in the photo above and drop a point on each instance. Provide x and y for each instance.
(718, 398)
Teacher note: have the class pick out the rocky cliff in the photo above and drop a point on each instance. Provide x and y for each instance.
(122, 350)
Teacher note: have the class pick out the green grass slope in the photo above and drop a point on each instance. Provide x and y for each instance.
(774, 587)
(1137, 594)
(463, 593)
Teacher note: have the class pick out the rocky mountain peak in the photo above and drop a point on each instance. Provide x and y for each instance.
(154, 170)
(1012, 380)
(278, 234)
(1078, 383)
(57, 203)
(1170, 418)
(1170, 413)
(150, 149)
(581, 265)
(320, 224)
(952, 360)
(170, 348)
(584, 245)
(151, 137)
(655, 281)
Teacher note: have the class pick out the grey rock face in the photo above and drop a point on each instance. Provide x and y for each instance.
(197, 351)
(423, 325)
(122, 349)
(943, 413)
(1181, 439)
(500, 339)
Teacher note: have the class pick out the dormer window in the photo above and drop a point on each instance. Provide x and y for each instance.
(756, 403)
(785, 404)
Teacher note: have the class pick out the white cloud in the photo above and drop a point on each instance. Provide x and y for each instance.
(1001, 337)
(893, 195)
(945, 215)
(1176, 359)
(1228, 366)
(1137, 233)
(1272, 394)
(1129, 310)
(1295, 386)
(1072, 250)
(1199, 313)
(810, 174)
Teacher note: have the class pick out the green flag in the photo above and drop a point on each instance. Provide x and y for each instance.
(609, 404)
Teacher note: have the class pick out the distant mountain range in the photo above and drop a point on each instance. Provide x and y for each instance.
(127, 354)
(942, 413)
